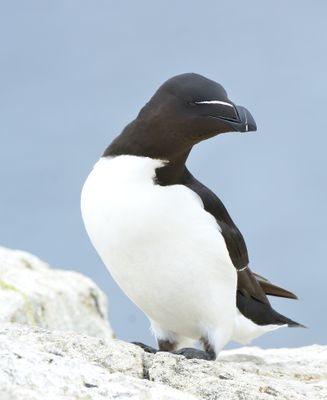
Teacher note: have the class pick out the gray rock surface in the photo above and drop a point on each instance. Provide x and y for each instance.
(34, 294)
(37, 364)
(248, 373)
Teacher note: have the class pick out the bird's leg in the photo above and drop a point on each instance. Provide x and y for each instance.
(167, 341)
(207, 354)
(188, 352)
(208, 348)
(166, 345)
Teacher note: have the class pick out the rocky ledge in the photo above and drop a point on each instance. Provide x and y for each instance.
(56, 344)
(39, 364)
(32, 293)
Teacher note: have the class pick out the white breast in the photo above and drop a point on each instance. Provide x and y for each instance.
(160, 245)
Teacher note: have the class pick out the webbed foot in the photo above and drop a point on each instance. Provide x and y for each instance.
(146, 348)
(190, 353)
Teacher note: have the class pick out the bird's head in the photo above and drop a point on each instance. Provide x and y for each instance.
(185, 110)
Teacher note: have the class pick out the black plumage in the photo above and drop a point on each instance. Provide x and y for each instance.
(185, 110)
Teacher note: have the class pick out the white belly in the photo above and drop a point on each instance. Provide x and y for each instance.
(160, 245)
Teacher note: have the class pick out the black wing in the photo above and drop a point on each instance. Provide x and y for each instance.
(251, 288)
(233, 237)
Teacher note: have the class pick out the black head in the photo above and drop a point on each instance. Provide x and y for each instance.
(185, 110)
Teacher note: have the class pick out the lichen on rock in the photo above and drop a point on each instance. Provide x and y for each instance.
(32, 293)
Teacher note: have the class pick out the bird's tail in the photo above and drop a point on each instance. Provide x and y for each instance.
(253, 303)
(273, 290)
(282, 320)
(262, 313)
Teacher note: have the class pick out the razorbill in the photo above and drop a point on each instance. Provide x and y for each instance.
(167, 239)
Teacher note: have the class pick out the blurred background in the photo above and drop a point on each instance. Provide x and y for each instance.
(75, 72)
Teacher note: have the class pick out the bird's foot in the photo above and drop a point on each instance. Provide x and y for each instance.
(190, 353)
(187, 352)
(146, 348)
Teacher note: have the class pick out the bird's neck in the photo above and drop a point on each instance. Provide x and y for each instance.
(173, 172)
(135, 140)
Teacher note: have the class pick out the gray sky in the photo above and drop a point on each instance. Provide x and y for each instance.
(74, 72)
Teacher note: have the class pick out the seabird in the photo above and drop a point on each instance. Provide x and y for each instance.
(167, 239)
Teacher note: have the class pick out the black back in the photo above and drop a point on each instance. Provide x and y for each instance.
(251, 298)
(186, 109)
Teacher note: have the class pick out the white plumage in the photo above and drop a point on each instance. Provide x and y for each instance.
(164, 250)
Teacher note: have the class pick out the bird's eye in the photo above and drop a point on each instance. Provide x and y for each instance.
(228, 110)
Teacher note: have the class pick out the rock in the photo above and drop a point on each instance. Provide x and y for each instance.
(38, 364)
(247, 373)
(32, 293)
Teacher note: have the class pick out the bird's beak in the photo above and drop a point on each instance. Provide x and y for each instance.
(245, 121)
(235, 118)
(241, 121)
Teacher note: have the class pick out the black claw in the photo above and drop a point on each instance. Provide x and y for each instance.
(189, 352)
(146, 348)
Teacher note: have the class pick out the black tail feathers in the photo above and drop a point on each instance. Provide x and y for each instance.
(262, 313)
